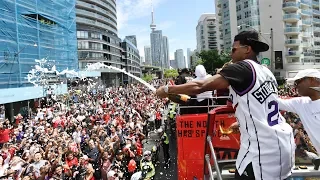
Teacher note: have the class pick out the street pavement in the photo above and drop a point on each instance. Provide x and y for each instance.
(162, 171)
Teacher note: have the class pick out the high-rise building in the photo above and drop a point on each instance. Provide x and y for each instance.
(207, 32)
(147, 55)
(173, 64)
(166, 55)
(158, 53)
(97, 38)
(31, 31)
(189, 54)
(193, 59)
(180, 59)
(301, 22)
(132, 60)
(156, 48)
(132, 39)
(227, 22)
(289, 27)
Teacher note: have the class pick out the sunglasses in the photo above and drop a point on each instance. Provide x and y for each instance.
(235, 48)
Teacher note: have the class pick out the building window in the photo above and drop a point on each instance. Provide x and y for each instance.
(95, 36)
(245, 4)
(239, 17)
(247, 14)
(83, 45)
(96, 46)
(96, 55)
(239, 7)
(82, 34)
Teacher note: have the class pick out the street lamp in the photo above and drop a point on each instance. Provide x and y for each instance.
(271, 44)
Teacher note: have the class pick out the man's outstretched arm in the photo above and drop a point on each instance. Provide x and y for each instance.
(196, 87)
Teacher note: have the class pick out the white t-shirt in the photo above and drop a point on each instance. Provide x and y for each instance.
(136, 176)
(309, 113)
(204, 95)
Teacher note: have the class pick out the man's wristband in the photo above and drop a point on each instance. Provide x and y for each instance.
(166, 89)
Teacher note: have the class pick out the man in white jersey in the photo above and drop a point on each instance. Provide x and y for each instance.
(307, 107)
(267, 144)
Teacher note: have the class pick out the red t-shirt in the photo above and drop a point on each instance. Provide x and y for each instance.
(158, 116)
(5, 135)
(106, 118)
(73, 162)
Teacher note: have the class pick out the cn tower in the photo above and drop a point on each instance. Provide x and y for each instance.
(152, 25)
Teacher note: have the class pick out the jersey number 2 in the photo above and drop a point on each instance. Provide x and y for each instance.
(274, 114)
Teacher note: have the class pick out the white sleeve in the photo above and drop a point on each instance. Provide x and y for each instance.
(290, 105)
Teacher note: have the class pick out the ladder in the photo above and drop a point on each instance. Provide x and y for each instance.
(223, 174)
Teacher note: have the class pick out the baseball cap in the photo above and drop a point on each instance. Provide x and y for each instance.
(303, 74)
(251, 38)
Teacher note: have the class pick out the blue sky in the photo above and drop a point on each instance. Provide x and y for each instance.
(176, 18)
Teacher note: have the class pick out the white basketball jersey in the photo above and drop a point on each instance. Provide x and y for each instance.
(266, 139)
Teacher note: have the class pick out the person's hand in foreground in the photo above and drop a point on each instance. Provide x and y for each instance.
(161, 93)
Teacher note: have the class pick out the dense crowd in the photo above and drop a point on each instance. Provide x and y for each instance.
(98, 136)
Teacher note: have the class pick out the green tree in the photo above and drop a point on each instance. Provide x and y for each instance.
(211, 59)
(199, 62)
(171, 73)
(147, 77)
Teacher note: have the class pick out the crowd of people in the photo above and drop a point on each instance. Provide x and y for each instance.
(99, 136)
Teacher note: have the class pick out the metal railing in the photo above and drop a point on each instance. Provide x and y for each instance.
(215, 161)
(207, 106)
(207, 157)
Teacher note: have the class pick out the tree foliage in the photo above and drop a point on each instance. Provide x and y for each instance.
(171, 73)
(212, 60)
(147, 77)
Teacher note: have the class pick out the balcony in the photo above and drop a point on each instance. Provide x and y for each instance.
(316, 12)
(292, 30)
(103, 4)
(306, 34)
(306, 44)
(211, 24)
(308, 54)
(316, 39)
(293, 54)
(306, 3)
(306, 13)
(316, 29)
(211, 30)
(95, 8)
(291, 17)
(315, 3)
(290, 6)
(219, 4)
(316, 20)
(292, 42)
(96, 24)
(81, 12)
(306, 23)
